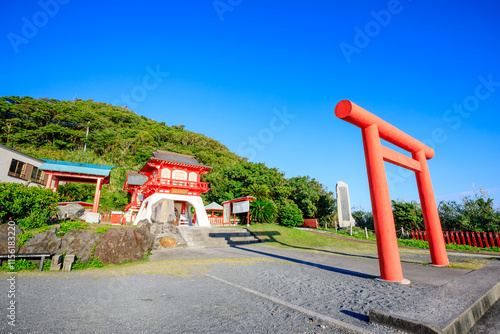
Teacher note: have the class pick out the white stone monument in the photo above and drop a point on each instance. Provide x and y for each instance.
(344, 205)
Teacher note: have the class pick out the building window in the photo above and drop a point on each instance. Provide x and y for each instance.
(179, 175)
(165, 173)
(18, 169)
(38, 176)
(193, 177)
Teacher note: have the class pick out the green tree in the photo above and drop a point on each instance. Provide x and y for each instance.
(363, 219)
(475, 213)
(407, 215)
(259, 191)
(326, 208)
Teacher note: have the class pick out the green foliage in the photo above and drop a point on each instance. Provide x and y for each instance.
(46, 264)
(290, 215)
(327, 208)
(93, 263)
(363, 219)
(262, 211)
(20, 264)
(407, 215)
(29, 207)
(413, 243)
(259, 191)
(23, 237)
(72, 192)
(103, 229)
(71, 225)
(475, 213)
(305, 193)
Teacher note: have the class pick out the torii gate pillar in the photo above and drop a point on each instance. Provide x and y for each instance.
(373, 129)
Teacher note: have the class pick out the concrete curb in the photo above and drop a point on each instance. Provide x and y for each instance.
(469, 296)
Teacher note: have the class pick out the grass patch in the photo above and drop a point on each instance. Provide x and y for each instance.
(290, 238)
(425, 245)
(471, 264)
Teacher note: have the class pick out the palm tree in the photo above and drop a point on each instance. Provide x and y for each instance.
(259, 191)
(263, 211)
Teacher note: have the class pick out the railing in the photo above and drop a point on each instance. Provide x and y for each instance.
(118, 219)
(475, 239)
(214, 220)
(179, 183)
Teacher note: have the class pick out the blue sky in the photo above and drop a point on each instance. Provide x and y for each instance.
(263, 77)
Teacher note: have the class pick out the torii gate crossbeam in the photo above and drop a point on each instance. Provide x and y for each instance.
(373, 129)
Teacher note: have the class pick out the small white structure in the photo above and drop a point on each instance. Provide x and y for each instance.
(344, 205)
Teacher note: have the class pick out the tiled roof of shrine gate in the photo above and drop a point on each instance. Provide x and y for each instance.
(183, 159)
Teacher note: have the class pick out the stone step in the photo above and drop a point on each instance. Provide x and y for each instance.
(222, 240)
(207, 237)
(216, 237)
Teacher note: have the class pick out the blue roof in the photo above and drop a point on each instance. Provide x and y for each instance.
(75, 167)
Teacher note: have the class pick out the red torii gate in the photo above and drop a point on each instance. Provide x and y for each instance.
(373, 129)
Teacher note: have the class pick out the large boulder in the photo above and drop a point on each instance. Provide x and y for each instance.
(70, 210)
(80, 243)
(4, 237)
(45, 242)
(121, 245)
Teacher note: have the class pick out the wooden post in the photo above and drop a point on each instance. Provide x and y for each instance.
(97, 196)
(387, 244)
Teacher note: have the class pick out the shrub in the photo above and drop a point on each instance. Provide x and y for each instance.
(289, 214)
(20, 264)
(94, 262)
(29, 207)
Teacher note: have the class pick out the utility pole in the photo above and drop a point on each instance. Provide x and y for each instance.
(85, 147)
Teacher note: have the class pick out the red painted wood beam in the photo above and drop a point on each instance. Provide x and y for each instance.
(354, 114)
(400, 160)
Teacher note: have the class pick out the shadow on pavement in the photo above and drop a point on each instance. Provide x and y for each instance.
(308, 263)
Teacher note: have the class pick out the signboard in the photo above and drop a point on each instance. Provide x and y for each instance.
(227, 212)
(241, 207)
(179, 191)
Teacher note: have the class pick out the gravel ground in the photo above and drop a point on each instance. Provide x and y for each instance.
(148, 304)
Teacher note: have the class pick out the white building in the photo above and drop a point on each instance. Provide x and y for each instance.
(17, 167)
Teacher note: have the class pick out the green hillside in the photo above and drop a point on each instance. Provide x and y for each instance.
(53, 129)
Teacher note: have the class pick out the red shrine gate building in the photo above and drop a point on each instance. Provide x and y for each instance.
(170, 176)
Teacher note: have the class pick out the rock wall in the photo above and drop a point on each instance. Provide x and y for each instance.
(114, 246)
